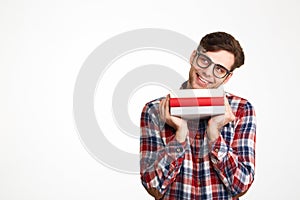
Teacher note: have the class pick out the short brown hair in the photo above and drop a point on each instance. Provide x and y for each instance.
(223, 41)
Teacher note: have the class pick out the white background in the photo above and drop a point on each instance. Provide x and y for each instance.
(43, 45)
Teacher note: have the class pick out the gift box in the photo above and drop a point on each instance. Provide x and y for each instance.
(197, 103)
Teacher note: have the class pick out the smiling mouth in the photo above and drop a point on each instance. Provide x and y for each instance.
(202, 81)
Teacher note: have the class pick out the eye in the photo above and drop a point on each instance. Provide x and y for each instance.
(220, 70)
(203, 61)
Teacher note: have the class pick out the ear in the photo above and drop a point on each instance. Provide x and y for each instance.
(228, 77)
(192, 56)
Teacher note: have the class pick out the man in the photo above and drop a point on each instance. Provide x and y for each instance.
(201, 159)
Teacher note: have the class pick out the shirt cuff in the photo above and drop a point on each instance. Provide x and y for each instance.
(176, 149)
(218, 150)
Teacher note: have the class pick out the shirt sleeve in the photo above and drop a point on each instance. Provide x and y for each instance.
(160, 158)
(235, 163)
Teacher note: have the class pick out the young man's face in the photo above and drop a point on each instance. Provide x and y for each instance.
(204, 77)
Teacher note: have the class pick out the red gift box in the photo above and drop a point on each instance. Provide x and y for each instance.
(197, 103)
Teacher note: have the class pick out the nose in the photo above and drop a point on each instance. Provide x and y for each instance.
(207, 72)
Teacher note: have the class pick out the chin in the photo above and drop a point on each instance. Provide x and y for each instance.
(196, 86)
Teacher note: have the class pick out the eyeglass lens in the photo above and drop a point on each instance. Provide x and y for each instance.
(218, 70)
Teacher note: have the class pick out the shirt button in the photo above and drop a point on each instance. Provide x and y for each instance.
(199, 183)
(214, 160)
(178, 150)
(198, 136)
(197, 160)
(216, 150)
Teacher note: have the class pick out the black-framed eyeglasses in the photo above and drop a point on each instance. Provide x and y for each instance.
(204, 62)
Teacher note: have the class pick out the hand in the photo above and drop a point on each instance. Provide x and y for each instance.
(216, 123)
(180, 125)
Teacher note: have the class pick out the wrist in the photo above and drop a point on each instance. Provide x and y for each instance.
(181, 133)
(212, 133)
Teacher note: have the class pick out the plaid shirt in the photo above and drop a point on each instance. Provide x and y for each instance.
(197, 169)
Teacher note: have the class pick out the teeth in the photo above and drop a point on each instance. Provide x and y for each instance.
(203, 80)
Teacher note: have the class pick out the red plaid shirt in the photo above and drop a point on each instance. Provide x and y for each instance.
(196, 169)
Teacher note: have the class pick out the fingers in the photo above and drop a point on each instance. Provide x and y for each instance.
(228, 111)
(167, 104)
(161, 109)
(164, 108)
